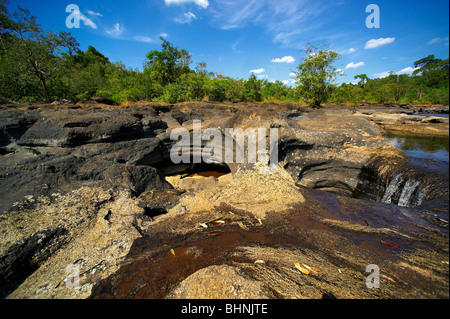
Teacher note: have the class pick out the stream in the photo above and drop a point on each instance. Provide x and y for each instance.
(428, 158)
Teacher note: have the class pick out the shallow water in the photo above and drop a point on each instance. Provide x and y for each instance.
(423, 147)
(432, 115)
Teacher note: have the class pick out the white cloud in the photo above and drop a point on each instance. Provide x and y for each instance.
(292, 74)
(287, 22)
(187, 18)
(375, 43)
(351, 50)
(86, 21)
(285, 82)
(116, 30)
(201, 3)
(257, 71)
(408, 70)
(382, 74)
(95, 14)
(286, 59)
(142, 38)
(340, 71)
(163, 34)
(352, 65)
(437, 40)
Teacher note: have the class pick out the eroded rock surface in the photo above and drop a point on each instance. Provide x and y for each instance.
(93, 186)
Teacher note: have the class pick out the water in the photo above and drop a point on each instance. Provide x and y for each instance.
(422, 147)
(394, 184)
(430, 115)
(427, 152)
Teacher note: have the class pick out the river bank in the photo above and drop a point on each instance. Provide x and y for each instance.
(92, 186)
(409, 120)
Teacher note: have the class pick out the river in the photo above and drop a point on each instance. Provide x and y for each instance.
(421, 147)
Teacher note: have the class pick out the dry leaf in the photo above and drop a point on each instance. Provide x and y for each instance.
(389, 279)
(259, 220)
(313, 269)
(172, 251)
(220, 222)
(204, 225)
(303, 270)
(259, 261)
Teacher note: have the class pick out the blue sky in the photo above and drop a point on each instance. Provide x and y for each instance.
(267, 37)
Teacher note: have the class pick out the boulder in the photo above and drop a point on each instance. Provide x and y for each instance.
(136, 178)
(220, 282)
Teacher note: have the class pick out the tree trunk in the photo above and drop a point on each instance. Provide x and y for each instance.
(44, 87)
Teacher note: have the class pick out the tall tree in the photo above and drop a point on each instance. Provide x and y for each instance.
(315, 74)
(435, 72)
(41, 51)
(167, 65)
(363, 79)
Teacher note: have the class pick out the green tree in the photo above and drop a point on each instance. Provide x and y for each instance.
(275, 90)
(24, 41)
(167, 65)
(363, 79)
(315, 74)
(252, 89)
(434, 72)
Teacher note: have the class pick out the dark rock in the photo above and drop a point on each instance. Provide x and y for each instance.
(102, 100)
(136, 178)
(75, 127)
(156, 199)
(22, 259)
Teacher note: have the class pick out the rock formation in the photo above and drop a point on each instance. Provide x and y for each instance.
(93, 185)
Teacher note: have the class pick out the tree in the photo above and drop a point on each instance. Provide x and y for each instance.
(168, 65)
(363, 79)
(315, 74)
(27, 42)
(434, 72)
(252, 89)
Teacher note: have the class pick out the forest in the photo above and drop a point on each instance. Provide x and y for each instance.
(42, 66)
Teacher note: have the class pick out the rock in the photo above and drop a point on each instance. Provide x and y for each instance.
(220, 282)
(197, 183)
(90, 242)
(89, 186)
(159, 199)
(76, 127)
(401, 121)
(364, 103)
(136, 178)
(63, 101)
(102, 100)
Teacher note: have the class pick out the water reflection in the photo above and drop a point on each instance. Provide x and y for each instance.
(444, 115)
(426, 147)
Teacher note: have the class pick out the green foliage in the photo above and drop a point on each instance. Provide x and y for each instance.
(252, 89)
(37, 52)
(427, 85)
(167, 65)
(217, 90)
(315, 74)
(38, 65)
